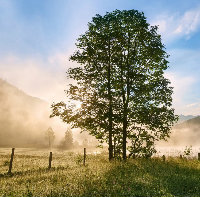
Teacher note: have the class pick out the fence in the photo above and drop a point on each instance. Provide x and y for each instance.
(84, 159)
(50, 160)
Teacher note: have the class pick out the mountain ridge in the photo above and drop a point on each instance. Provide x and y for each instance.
(189, 123)
(23, 118)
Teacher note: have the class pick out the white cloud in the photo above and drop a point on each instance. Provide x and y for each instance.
(47, 80)
(182, 85)
(37, 77)
(189, 23)
(175, 25)
(192, 105)
(194, 108)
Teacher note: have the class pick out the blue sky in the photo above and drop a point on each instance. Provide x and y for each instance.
(37, 37)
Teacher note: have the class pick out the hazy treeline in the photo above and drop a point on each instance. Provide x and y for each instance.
(25, 122)
(73, 139)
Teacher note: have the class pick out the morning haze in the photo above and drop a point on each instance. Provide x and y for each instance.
(99, 98)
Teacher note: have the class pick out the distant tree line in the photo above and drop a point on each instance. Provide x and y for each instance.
(67, 142)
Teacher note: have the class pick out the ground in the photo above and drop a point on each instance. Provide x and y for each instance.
(68, 177)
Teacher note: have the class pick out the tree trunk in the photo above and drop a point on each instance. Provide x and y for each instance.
(110, 136)
(126, 101)
(114, 147)
(124, 134)
(110, 107)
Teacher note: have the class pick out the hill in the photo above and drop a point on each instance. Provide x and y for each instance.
(183, 118)
(23, 118)
(193, 124)
(186, 133)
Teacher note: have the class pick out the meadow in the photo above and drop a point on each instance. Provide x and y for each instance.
(68, 177)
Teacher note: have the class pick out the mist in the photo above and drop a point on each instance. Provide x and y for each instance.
(186, 133)
(24, 119)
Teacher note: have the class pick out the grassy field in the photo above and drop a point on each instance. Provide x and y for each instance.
(68, 176)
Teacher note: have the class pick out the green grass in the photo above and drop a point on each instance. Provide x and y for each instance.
(68, 177)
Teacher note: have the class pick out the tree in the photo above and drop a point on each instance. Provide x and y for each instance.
(120, 84)
(50, 136)
(68, 140)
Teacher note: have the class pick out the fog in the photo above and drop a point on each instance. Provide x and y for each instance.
(25, 119)
(184, 134)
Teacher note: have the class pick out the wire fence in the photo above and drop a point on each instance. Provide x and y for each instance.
(26, 159)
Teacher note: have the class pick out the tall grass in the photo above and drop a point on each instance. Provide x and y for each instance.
(68, 177)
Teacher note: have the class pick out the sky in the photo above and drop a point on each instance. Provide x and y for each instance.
(37, 37)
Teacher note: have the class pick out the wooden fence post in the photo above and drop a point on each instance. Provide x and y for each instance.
(84, 156)
(50, 159)
(163, 158)
(199, 156)
(11, 161)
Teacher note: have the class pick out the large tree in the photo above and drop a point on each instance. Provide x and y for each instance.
(120, 84)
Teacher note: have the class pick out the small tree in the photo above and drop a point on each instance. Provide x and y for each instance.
(68, 139)
(50, 136)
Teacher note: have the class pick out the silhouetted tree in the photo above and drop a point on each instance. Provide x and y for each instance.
(68, 140)
(50, 136)
(120, 84)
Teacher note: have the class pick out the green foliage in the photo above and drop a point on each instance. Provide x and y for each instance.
(136, 177)
(187, 151)
(142, 146)
(120, 84)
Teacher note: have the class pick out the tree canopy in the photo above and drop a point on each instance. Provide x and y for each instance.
(120, 84)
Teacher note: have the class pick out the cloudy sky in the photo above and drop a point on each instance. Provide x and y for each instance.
(37, 37)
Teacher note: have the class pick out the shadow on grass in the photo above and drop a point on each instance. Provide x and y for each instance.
(146, 178)
(27, 172)
(134, 178)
